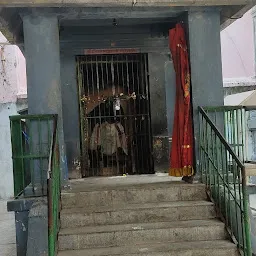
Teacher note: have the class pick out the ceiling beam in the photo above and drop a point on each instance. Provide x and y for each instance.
(122, 3)
(91, 13)
(7, 32)
(230, 15)
(108, 13)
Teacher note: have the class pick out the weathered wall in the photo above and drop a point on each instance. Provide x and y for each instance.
(159, 77)
(12, 88)
(70, 107)
(149, 39)
(170, 85)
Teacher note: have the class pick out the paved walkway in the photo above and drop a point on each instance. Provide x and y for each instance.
(7, 231)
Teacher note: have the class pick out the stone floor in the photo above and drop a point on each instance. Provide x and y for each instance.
(101, 183)
(7, 231)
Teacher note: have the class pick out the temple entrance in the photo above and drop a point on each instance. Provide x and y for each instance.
(114, 114)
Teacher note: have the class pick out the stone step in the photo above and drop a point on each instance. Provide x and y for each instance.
(138, 213)
(132, 194)
(116, 235)
(197, 248)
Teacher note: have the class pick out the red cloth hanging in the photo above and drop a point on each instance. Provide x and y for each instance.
(181, 157)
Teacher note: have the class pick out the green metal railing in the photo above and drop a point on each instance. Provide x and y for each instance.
(36, 165)
(31, 141)
(223, 172)
(234, 127)
(54, 194)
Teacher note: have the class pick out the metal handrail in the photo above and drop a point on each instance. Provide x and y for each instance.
(33, 117)
(218, 108)
(224, 174)
(223, 140)
(235, 127)
(53, 193)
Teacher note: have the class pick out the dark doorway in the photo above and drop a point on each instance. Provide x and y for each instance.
(114, 114)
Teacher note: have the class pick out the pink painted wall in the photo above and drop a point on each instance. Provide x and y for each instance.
(13, 81)
(238, 48)
(13, 85)
(21, 74)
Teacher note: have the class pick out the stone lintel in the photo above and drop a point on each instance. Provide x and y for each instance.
(127, 3)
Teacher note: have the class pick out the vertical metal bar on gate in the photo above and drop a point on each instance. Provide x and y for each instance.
(80, 102)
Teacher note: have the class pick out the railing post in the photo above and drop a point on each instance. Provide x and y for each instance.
(246, 215)
(53, 181)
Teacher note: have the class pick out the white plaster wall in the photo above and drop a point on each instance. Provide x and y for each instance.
(12, 87)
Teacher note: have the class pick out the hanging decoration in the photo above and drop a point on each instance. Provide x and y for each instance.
(181, 157)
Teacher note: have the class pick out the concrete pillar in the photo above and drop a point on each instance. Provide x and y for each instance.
(205, 59)
(42, 52)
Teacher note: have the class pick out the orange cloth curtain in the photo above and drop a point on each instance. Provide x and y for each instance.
(181, 157)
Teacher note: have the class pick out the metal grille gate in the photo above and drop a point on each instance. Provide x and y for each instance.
(114, 114)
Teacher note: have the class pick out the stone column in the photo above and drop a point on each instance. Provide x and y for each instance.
(42, 52)
(205, 59)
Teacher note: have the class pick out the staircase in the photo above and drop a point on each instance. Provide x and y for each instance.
(140, 216)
